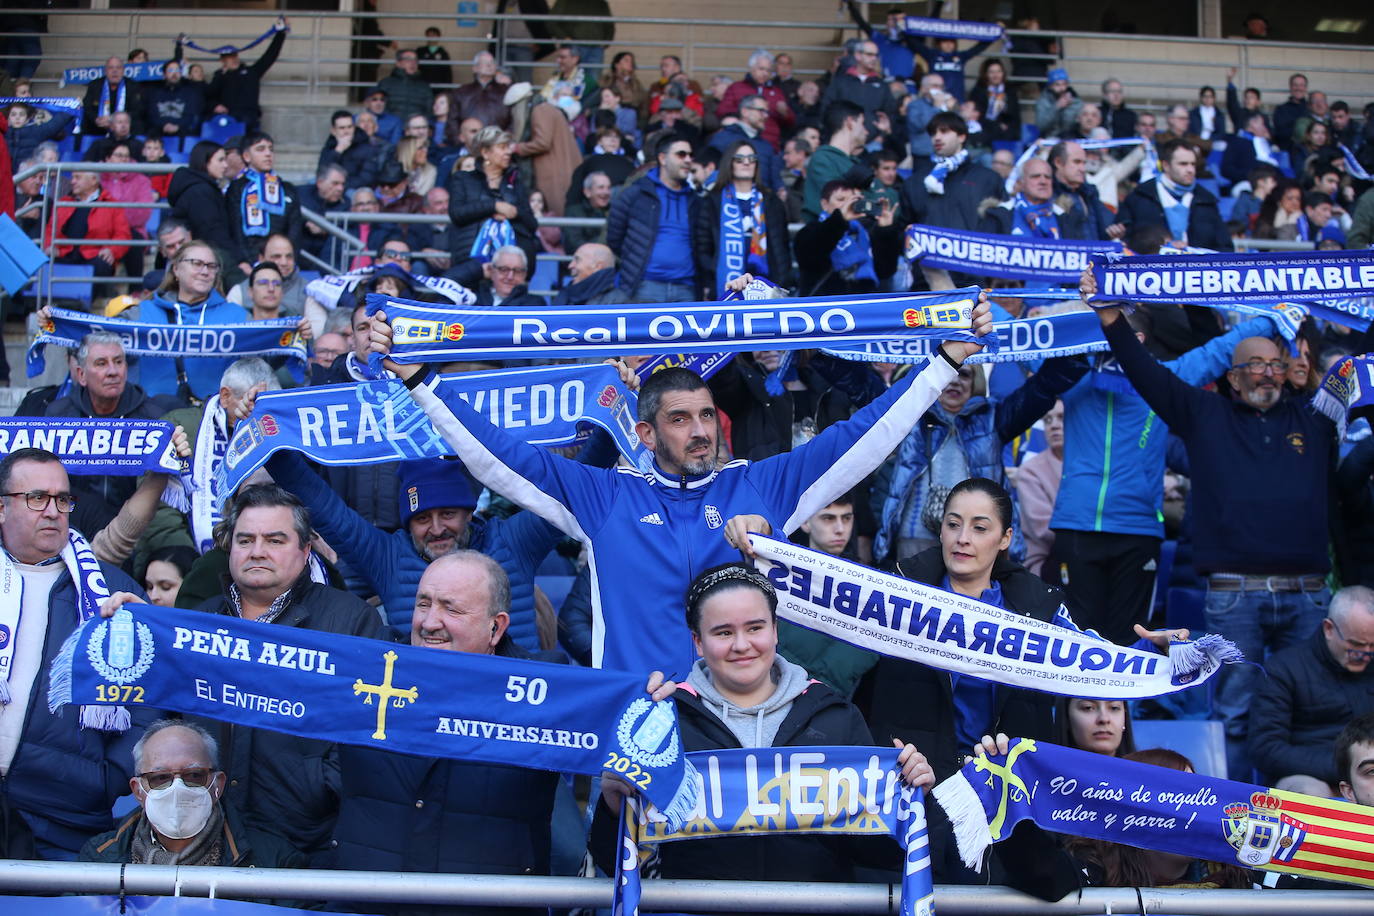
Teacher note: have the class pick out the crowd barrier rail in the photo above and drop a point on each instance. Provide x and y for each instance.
(22, 877)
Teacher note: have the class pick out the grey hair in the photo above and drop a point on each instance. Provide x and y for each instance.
(478, 56)
(592, 176)
(244, 373)
(1183, 109)
(327, 169)
(498, 583)
(262, 496)
(759, 56)
(96, 338)
(211, 745)
(1345, 601)
(929, 79)
(515, 250)
(45, 146)
(171, 224)
(1108, 81)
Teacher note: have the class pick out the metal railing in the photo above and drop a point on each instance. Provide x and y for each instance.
(674, 895)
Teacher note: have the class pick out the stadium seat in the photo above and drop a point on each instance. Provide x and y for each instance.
(1167, 550)
(42, 283)
(67, 145)
(221, 128)
(1226, 205)
(1212, 185)
(1285, 163)
(179, 158)
(545, 275)
(308, 275)
(1185, 608)
(1029, 134)
(1203, 741)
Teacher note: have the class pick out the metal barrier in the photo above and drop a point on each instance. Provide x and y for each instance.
(670, 895)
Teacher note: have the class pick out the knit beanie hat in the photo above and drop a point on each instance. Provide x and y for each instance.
(433, 483)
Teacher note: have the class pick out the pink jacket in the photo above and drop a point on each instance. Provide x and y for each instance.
(131, 188)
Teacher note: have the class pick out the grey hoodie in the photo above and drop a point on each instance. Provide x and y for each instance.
(758, 725)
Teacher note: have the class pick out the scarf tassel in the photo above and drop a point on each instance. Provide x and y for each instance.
(177, 495)
(969, 821)
(679, 811)
(1186, 659)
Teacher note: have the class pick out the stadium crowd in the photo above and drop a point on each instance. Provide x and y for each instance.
(1194, 488)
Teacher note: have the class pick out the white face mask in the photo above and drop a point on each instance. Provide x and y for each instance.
(178, 811)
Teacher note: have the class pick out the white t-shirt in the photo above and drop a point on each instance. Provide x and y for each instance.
(28, 654)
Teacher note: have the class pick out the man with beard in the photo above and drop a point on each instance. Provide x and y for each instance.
(1255, 455)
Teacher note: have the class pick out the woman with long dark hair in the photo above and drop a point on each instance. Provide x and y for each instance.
(196, 196)
(1001, 111)
(490, 206)
(1279, 213)
(740, 204)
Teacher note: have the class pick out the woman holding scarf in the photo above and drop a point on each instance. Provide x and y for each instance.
(1001, 111)
(490, 206)
(742, 226)
(741, 693)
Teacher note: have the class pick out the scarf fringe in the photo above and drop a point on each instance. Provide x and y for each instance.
(967, 818)
(177, 494)
(685, 798)
(1187, 659)
(60, 671)
(5, 697)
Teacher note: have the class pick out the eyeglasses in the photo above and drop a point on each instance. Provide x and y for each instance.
(756, 108)
(746, 158)
(395, 255)
(268, 284)
(1356, 647)
(507, 270)
(38, 500)
(196, 778)
(1259, 366)
(198, 264)
(682, 154)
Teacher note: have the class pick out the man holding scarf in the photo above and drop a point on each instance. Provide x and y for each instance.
(1032, 212)
(261, 203)
(109, 94)
(61, 771)
(1176, 201)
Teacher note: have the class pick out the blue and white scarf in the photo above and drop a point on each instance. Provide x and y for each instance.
(1176, 200)
(913, 621)
(89, 581)
(55, 104)
(1264, 150)
(935, 180)
(493, 234)
(121, 98)
(1226, 279)
(330, 289)
(262, 199)
(426, 333)
(771, 791)
(1064, 790)
(145, 72)
(373, 693)
(236, 49)
(272, 337)
(743, 238)
(1149, 166)
(775, 383)
(852, 256)
(1008, 256)
(1019, 340)
(378, 421)
(1347, 391)
(1352, 164)
(1035, 220)
(953, 28)
(100, 445)
(703, 364)
(212, 444)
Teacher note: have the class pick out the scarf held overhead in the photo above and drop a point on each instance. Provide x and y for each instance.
(1011, 257)
(273, 337)
(372, 693)
(1151, 807)
(378, 421)
(826, 791)
(916, 622)
(425, 333)
(145, 72)
(1021, 340)
(1347, 391)
(952, 28)
(1235, 278)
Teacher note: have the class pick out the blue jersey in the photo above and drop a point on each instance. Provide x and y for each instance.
(648, 534)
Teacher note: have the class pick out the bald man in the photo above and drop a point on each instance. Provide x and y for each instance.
(1260, 463)
(594, 277)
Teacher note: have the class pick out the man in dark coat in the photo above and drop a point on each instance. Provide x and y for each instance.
(235, 87)
(1191, 216)
(111, 93)
(399, 812)
(175, 106)
(1074, 193)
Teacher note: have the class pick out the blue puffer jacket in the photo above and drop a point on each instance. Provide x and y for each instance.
(1114, 446)
(64, 778)
(158, 374)
(389, 562)
(984, 426)
(632, 227)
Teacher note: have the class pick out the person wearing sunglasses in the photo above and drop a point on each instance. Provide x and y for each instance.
(744, 213)
(181, 818)
(753, 115)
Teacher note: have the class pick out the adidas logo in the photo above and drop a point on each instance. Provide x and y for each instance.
(652, 519)
(1150, 566)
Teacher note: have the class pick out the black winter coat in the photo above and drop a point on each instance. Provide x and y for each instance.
(471, 201)
(64, 778)
(1355, 487)
(915, 702)
(361, 161)
(181, 105)
(281, 783)
(90, 106)
(1300, 709)
(1206, 228)
(998, 221)
(1087, 203)
(761, 423)
(778, 238)
(965, 190)
(817, 240)
(400, 812)
(632, 228)
(197, 201)
(246, 248)
(238, 90)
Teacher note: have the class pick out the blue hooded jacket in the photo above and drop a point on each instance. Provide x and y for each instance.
(158, 374)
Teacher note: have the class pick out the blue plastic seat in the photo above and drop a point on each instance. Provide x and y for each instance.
(43, 286)
(220, 128)
(1203, 741)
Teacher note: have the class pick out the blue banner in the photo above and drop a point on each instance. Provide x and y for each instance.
(273, 337)
(827, 791)
(378, 421)
(428, 333)
(98, 446)
(146, 72)
(149, 906)
(377, 694)
(703, 364)
(1013, 257)
(1351, 313)
(953, 28)
(1230, 278)
(1021, 340)
(1155, 807)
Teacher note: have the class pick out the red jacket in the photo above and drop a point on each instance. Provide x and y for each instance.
(776, 123)
(6, 173)
(103, 223)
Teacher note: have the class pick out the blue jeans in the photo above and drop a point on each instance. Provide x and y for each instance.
(660, 291)
(1260, 623)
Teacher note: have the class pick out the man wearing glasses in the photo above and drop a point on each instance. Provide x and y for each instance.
(1260, 465)
(506, 280)
(863, 84)
(60, 779)
(182, 819)
(753, 115)
(1312, 692)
